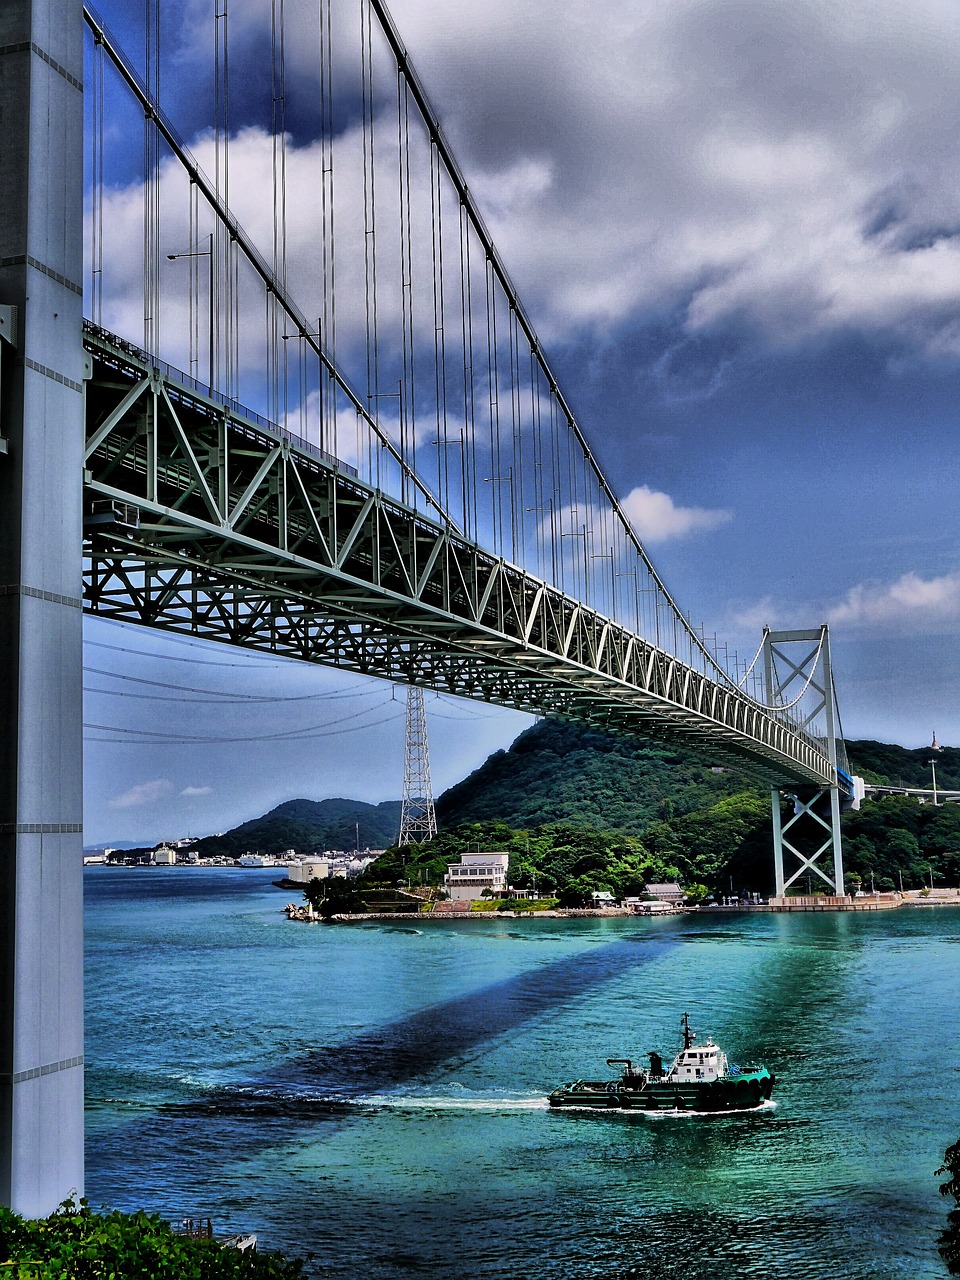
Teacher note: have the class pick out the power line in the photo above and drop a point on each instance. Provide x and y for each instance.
(156, 737)
(228, 695)
(262, 660)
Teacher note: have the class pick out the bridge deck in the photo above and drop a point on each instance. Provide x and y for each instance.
(206, 520)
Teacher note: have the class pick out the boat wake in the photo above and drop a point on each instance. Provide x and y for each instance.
(439, 1104)
(448, 1102)
(663, 1114)
(456, 1100)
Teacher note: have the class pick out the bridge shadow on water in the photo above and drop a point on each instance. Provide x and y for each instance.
(329, 1083)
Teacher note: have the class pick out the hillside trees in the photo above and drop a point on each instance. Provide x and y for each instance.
(564, 773)
(894, 837)
(572, 804)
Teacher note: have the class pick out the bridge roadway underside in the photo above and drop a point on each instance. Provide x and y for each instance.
(207, 521)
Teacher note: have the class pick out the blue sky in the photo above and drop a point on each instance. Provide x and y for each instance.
(735, 227)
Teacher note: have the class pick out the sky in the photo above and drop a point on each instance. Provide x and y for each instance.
(735, 225)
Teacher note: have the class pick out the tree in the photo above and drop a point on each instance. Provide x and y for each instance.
(576, 893)
(694, 894)
(902, 847)
(949, 1242)
(334, 897)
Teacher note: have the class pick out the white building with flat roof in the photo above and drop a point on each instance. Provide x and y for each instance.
(466, 880)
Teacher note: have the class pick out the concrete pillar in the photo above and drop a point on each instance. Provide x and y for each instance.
(778, 872)
(41, 452)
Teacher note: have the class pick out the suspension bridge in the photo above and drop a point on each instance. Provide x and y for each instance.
(265, 380)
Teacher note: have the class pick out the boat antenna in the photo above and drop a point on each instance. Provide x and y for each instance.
(688, 1035)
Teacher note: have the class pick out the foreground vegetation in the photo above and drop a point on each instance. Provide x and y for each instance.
(78, 1244)
(949, 1242)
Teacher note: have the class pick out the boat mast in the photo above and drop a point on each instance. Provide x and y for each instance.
(688, 1035)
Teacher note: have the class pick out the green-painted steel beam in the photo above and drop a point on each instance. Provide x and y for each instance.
(246, 535)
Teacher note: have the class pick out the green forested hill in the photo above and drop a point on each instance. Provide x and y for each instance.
(579, 810)
(558, 772)
(882, 762)
(308, 825)
(666, 814)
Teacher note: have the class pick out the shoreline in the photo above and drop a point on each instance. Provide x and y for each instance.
(617, 913)
(880, 902)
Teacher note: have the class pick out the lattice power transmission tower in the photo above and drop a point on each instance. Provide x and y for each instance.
(418, 822)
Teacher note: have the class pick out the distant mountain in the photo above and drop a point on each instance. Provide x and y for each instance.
(94, 849)
(309, 825)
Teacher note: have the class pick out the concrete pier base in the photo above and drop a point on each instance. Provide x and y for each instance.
(41, 664)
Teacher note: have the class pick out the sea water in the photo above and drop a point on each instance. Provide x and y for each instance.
(374, 1095)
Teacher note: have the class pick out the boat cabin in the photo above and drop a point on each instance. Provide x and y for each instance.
(699, 1062)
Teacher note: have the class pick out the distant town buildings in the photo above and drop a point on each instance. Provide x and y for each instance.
(301, 869)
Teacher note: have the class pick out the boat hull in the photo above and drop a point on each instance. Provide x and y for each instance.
(741, 1092)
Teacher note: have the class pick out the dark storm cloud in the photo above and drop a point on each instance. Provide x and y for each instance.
(784, 171)
(791, 169)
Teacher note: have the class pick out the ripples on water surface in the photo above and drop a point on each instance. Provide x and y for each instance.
(375, 1095)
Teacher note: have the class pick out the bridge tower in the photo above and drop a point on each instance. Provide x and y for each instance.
(798, 672)
(41, 468)
(418, 822)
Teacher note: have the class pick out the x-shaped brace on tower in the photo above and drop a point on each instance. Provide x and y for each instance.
(809, 681)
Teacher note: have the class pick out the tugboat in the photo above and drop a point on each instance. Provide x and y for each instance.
(700, 1079)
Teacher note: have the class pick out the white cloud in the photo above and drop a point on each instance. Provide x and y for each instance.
(144, 793)
(657, 518)
(197, 791)
(910, 601)
(752, 618)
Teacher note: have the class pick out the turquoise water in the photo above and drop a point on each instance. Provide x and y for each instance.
(374, 1094)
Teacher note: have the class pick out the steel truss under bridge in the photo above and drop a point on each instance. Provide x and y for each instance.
(209, 522)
